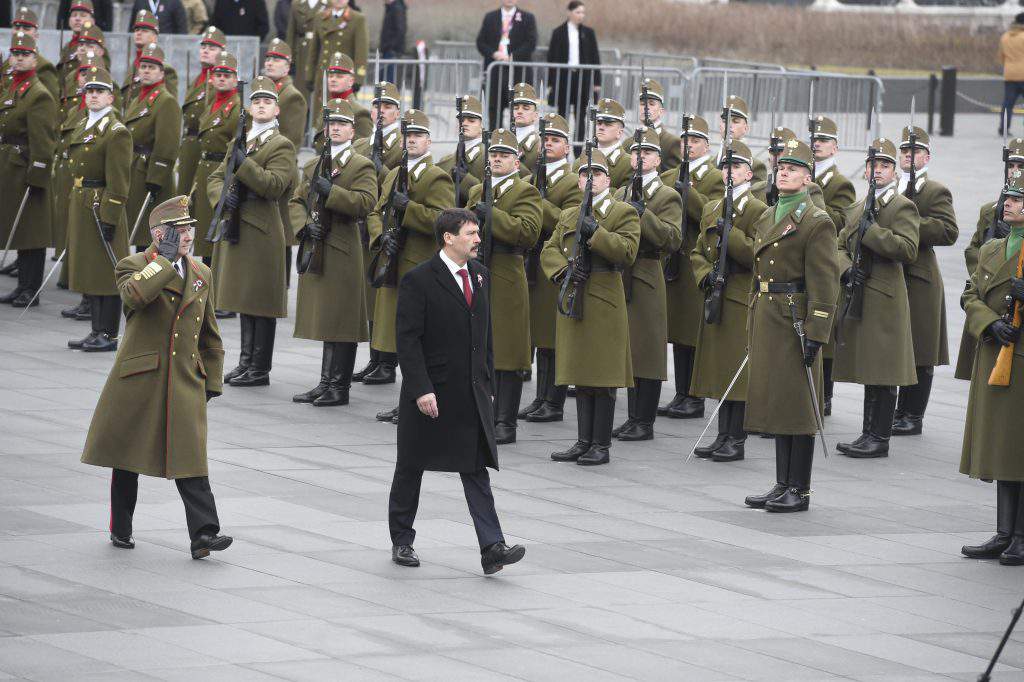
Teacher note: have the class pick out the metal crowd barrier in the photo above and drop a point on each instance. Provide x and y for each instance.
(683, 62)
(853, 102)
(456, 49)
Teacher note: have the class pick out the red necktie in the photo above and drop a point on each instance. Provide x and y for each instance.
(467, 290)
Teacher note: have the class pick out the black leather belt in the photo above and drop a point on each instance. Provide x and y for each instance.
(649, 253)
(781, 287)
(606, 268)
(142, 150)
(91, 184)
(213, 156)
(500, 247)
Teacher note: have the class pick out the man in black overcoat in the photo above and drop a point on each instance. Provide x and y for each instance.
(574, 44)
(446, 422)
(506, 32)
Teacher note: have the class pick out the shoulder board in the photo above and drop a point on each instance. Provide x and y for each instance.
(824, 179)
(742, 203)
(702, 171)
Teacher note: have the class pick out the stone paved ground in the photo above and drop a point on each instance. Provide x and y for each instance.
(646, 569)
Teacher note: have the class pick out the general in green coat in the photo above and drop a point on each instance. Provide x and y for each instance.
(337, 28)
(301, 26)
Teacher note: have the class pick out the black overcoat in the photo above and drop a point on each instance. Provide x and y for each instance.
(445, 348)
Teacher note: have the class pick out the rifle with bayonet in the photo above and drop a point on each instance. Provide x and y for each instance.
(911, 189)
(644, 92)
(225, 223)
(384, 264)
(461, 168)
(310, 256)
(511, 96)
(998, 228)
(486, 250)
(540, 181)
(377, 148)
(860, 269)
(774, 150)
(674, 261)
(571, 294)
(714, 299)
(810, 123)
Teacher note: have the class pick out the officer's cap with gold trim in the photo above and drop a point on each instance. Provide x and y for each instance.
(698, 127)
(340, 110)
(214, 36)
(598, 161)
(738, 105)
(280, 49)
(825, 128)
(388, 93)
(147, 20)
(796, 151)
(471, 108)
(740, 152)
(1015, 185)
(610, 110)
(921, 140)
(173, 212)
(91, 60)
(524, 93)
(226, 62)
(654, 90)
(261, 86)
(153, 54)
(22, 42)
(416, 121)
(555, 125)
(648, 140)
(25, 18)
(1016, 148)
(91, 33)
(340, 63)
(81, 6)
(98, 77)
(503, 140)
(885, 149)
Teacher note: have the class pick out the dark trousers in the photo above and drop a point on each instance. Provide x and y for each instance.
(30, 268)
(200, 508)
(1012, 91)
(405, 499)
(106, 315)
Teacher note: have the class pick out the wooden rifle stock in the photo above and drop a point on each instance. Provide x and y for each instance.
(1000, 375)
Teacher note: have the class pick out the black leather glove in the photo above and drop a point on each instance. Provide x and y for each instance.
(811, 348)
(1002, 230)
(589, 227)
(322, 186)
(168, 246)
(153, 188)
(108, 231)
(1003, 332)
(579, 273)
(1017, 289)
(679, 187)
(315, 232)
(639, 206)
(232, 200)
(857, 277)
(237, 156)
(400, 200)
(389, 245)
(210, 395)
(481, 213)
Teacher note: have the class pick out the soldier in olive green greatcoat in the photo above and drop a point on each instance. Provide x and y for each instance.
(796, 274)
(652, 105)
(739, 120)
(194, 106)
(779, 137)
(661, 213)
(561, 191)
(301, 24)
(924, 280)
(264, 171)
(26, 21)
(512, 228)
(151, 415)
(685, 299)
(154, 120)
(991, 450)
(430, 191)
(292, 120)
(144, 34)
(472, 124)
(214, 131)
(340, 81)
(331, 305)
(722, 341)
(592, 351)
(99, 160)
(888, 244)
(610, 131)
(337, 28)
(27, 141)
(526, 112)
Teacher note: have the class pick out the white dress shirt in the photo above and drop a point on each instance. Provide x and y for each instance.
(905, 178)
(454, 268)
(259, 128)
(821, 166)
(574, 43)
(339, 148)
(179, 267)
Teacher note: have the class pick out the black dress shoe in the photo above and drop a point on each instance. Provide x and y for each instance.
(856, 443)
(332, 397)
(637, 431)
(504, 434)
(361, 374)
(676, 399)
(790, 501)
(908, 425)
(705, 451)
(499, 555)
(578, 449)
(312, 394)
(11, 270)
(1014, 554)
(251, 377)
(622, 427)
(77, 345)
(689, 408)
(731, 451)
(394, 420)
(387, 415)
(122, 543)
(870, 448)
(383, 374)
(26, 298)
(758, 501)
(238, 371)
(101, 343)
(547, 412)
(570, 391)
(71, 313)
(404, 555)
(224, 314)
(522, 414)
(12, 296)
(597, 454)
(207, 542)
(991, 549)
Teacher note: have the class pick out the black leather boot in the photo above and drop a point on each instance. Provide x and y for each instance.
(648, 392)
(679, 364)
(553, 407)
(869, 407)
(507, 404)
(604, 416)
(705, 451)
(542, 383)
(829, 385)
(732, 449)
(325, 377)
(877, 442)
(910, 422)
(1007, 501)
(258, 374)
(343, 360)
(630, 410)
(584, 428)
(12, 296)
(797, 496)
(1014, 554)
(783, 452)
(384, 372)
(371, 365)
(74, 312)
(247, 328)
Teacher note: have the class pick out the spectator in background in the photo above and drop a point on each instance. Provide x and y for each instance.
(392, 34)
(102, 14)
(506, 31)
(1011, 54)
(573, 43)
(282, 12)
(198, 17)
(242, 17)
(170, 15)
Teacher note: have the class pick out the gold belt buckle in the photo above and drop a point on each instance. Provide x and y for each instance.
(764, 287)
(78, 183)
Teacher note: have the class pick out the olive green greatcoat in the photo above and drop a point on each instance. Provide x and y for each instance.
(26, 126)
(515, 225)
(104, 153)
(431, 190)
(193, 107)
(155, 125)
(646, 303)
(151, 415)
(965, 356)
(301, 23)
(685, 300)
(331, 305)
(619, 168)
(924, 279)
(800, 246)
(46, 74)
(594, 351)
(216, 131)
(60, 182)
(722, 346)
(363, 122)
(391, 155)
(878, 350)
(266, 174)
(346, 34)
(839, 195)
(133, 85)
(991, 448)
(563, 192)
(671, 153)
(292, 119)
(529, 153)
(475, 163)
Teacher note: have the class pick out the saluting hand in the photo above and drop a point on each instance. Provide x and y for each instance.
(169, 242)
(428, 405)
